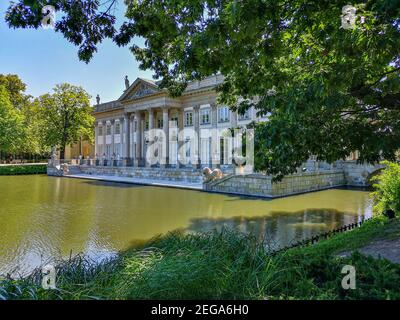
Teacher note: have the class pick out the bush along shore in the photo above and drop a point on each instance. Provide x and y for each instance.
(223, 265)
(20, 169)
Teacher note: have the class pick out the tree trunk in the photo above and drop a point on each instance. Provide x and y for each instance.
(62, 152)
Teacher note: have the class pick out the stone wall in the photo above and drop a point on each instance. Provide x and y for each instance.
(345, 173)
(171, 174)
(358, 174)
(58, 170)
(261, 185)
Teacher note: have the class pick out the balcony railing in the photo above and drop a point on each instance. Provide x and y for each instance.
(107, 106)
(91, 162)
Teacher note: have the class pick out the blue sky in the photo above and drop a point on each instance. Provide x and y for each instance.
(43, 58)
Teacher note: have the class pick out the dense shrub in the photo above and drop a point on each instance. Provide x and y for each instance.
(22, 169)
(387, 193)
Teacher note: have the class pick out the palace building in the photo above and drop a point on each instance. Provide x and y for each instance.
(123, 126)
(148, 137)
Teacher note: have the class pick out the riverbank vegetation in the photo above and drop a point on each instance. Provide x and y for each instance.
(20, 169)
(387, 189)
(223, 265)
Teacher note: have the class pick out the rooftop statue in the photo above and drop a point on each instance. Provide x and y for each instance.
(126, 82)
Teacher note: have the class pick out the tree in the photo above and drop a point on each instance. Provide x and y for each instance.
(30, 140)
(66, 116)
(16, 90)
(11, 124)
(35, 142)
(328, 90)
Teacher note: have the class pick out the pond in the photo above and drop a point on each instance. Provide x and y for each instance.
(42, 218)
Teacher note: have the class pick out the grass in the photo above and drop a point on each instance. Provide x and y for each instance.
(21, 169)
(223, 265)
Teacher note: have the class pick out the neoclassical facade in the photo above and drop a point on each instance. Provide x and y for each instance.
(123, 127)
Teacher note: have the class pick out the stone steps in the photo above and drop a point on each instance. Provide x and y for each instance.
(72, 169)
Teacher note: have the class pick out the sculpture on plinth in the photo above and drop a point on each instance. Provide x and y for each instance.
(65, 168)
(53, 156)
(98, 99)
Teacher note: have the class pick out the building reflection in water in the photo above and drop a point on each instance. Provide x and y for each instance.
(279, 229)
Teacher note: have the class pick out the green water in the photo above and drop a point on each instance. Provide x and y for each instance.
(42, 217)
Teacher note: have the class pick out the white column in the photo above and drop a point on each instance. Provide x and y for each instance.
(151, 127)
(196, 118)
(96, 139)
(166, 135)
(104, 137)
(121, 149)
(138, 138)
(214, 115)
(214, 136)
(112, 138)
(234, 124)
(234, 117)
(132, 150)
(126, 138)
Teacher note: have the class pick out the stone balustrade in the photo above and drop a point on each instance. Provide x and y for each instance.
(263, 186)
(168, 174)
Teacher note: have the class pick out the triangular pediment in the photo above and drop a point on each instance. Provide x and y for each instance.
(139, 88)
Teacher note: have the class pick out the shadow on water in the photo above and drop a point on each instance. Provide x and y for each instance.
(356, 188)
(112, 184)
(279, 229)
(236, 197)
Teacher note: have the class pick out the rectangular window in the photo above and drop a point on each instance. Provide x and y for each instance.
(246, 115)
(188, 119)
(223, 114)
(117, 128)
(108, 129)
(147, 124)
(205, 116)
(100, 131)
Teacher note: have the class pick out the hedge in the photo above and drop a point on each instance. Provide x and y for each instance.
(22, 169)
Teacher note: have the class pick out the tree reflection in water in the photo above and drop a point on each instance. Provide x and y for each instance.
(279, 229)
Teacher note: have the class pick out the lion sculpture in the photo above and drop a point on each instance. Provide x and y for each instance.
(210, 175)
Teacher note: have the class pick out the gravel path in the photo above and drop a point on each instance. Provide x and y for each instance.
(383, 248)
